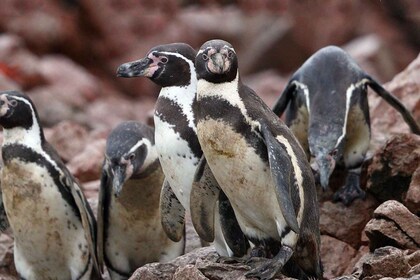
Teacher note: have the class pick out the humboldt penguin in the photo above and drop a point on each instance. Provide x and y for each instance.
(171, 66)
(53, 225)
(328, 111)
(258, 164)
(130, 233)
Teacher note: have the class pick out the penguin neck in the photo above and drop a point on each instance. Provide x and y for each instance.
(32, 137)
(183, 96)
(219, 90)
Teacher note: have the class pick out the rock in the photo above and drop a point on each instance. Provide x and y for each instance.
(412, 198)
(394, 225)
(405, 86)
(352, 267)
(18, 63)
(68, 138)
(386, 262)
(86, 166)
(199, 264)
(390, 172)
(335, 256)
(346, 223)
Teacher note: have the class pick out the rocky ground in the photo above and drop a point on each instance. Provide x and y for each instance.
(64, 55)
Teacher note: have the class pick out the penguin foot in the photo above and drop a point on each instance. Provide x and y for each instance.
(269, 267)
(265, 270)
(348, 193)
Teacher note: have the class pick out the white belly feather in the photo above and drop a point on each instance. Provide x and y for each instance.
(49, 239)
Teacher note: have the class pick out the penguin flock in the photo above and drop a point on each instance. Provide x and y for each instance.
(216, 151)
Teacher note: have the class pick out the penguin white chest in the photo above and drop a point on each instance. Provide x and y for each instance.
(46, 229)
(244, 177)
(176, 158)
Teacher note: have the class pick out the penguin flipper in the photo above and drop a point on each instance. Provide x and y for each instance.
(204, 194)
(284, 99)
(394, 102)
(102, 203)
(235, 238)
(4, 221)
(281, 171)
(86, 214)
(172, 213)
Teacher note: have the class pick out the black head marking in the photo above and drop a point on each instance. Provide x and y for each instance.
(124, 146)
(166, 65)
(216, 62)
(16, 110)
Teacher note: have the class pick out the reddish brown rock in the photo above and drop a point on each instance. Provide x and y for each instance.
(393, 225)
(405, 86)
(412, 198)
(346, 223)
(335, 256)
(86, 166)
(352, 266)
(386, 262)
(68, 138)
(390, 172)
(18, 63)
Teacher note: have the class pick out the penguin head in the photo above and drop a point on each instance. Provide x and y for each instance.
(216, 62)
(326, 147)
(16, 110)
(129, 153)
(166, 65)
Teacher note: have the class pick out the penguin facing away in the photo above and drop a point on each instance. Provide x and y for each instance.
(171, 66)
(52, 222)
(130, 233)
(258, 164)
(327, 109)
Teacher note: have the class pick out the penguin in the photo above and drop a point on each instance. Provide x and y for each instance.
(129, 230)
(328, 111)
(258, 164)
(171, 66)
(53, 225)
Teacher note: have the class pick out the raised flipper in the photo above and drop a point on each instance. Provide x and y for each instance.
(232, 233)
(281, 171)
(284, 99)
(204, 195)
(394, 102)
(172, 213)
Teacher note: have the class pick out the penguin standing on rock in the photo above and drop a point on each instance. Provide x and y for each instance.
(52, 223)
(258, 164)
(171, 66)
(328, 111)
(130, 233)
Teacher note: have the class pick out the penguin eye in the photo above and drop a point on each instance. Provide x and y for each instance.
(334, 152)
(205, 56)
(132, 156)
(164, 59)
(230, 54)
(13, 103)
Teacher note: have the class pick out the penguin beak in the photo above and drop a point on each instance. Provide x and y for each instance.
(326, 165)
(135, 68)
(118, 181)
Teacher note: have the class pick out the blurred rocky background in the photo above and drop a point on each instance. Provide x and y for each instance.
(64, 55)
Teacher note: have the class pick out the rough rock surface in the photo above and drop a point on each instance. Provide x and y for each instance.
(335, 255)
(392, 167)
(394, 225)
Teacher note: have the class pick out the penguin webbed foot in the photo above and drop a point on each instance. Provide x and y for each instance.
(268, 268)
(350, 191)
